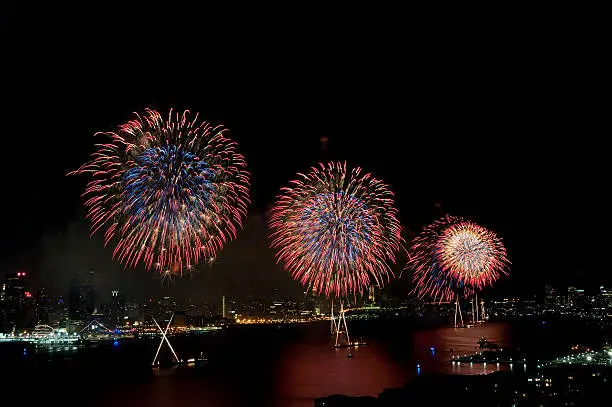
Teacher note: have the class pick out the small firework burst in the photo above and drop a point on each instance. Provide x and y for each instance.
(455, 256)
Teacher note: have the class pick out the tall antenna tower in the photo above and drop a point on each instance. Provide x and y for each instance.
(223, 307)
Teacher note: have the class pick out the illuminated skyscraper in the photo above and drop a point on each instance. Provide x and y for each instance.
(571, 294)
(117, 308)
(550, 291)
(42, 307)
(13, 293)
(76, 303)
(89, 294)
(2, 307)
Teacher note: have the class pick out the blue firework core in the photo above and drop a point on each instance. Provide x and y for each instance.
(440, 279)
(337, 224)
(170, 181)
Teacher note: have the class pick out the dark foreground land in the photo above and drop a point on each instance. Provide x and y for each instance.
(559, 386)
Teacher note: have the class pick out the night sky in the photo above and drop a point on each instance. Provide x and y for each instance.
(503, 127)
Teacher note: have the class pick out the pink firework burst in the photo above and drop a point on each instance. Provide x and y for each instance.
(336, 232)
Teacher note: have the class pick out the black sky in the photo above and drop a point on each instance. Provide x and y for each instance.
(502, 123)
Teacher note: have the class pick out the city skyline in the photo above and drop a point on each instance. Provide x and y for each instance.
(86, 287)
(24, 306)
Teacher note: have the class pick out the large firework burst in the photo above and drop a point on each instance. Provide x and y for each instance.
(455, 256)
(336, 232)
(166, 192)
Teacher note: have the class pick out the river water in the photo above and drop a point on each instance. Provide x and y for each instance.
(286, 366)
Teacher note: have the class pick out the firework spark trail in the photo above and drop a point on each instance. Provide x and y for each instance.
(454, 256)
(336, 233)
(166, 192)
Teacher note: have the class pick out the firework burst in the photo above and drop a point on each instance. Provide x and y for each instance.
(166, 192)
(336, 232)
(455, 256)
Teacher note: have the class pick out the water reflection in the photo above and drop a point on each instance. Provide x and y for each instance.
(309, 371)
(448, 342)
(306, 372)
(285, 368)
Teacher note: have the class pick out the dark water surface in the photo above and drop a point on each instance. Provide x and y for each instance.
(286, 366)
